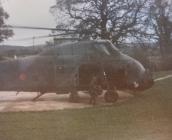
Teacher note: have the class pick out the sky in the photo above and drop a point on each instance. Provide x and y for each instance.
(29, 13)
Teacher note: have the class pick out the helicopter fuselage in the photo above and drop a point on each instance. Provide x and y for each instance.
(72, 66)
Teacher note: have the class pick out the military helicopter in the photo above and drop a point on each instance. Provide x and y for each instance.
(71, 67)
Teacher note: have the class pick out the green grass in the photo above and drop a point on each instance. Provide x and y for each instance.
(146, 117)
(163, 73)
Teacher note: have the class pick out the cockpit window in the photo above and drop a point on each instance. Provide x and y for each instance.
(112, 49)
(106, 48)
(101, 48)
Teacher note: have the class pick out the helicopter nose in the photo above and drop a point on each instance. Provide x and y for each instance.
(149, 82)
(141, 85)
(146, 84)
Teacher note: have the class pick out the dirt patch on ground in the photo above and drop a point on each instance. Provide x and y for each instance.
(10, 102)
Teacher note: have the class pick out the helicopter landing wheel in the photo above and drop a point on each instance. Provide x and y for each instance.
(111, 96)
(74, 97)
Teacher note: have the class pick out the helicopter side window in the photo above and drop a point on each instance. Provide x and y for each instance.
(92, 52)
(80, 49)
(58, 51)
(65, 50)
(47, 52)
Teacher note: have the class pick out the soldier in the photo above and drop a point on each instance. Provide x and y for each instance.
(95, 90)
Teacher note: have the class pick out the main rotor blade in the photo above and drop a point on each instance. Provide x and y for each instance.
(40, 28)
(47, 36)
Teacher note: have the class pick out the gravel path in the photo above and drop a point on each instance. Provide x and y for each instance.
(10, 102)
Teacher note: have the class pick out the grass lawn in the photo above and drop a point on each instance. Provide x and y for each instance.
(146, 117)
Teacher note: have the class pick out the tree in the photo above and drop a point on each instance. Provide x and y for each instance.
(160, 18)
(5, 33)
(115, 20)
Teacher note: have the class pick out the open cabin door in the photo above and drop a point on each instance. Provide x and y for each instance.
(87, 72)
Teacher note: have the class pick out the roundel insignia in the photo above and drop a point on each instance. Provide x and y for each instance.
(22, 76)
